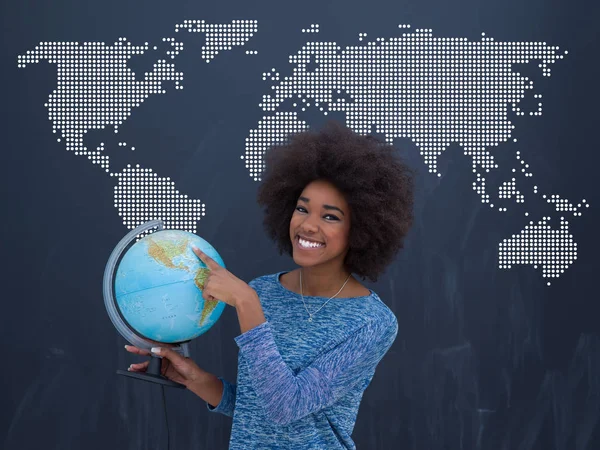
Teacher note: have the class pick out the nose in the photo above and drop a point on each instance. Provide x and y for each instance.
(309, 225)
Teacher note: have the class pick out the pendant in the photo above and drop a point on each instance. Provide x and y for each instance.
(310, 318)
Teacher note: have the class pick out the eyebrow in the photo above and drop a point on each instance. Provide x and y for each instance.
(304, 199)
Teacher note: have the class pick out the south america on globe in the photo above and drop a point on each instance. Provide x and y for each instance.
(158, 287)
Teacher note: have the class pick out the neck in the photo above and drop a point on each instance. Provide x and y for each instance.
(321, 283)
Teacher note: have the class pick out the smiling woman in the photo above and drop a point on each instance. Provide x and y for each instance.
(311, 338)
(341, 178)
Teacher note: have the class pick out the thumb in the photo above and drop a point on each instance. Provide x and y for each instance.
(178, 361)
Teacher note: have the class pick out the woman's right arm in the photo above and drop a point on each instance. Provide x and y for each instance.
(210, 388)
(225, 403)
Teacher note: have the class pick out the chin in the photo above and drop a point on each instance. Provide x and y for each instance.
(303, 262)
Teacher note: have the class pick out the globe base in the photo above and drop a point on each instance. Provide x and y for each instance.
(152, 374)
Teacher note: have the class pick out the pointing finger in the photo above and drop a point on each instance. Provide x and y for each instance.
(210, 263)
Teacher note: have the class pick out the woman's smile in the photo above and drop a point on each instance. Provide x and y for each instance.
(307, 245)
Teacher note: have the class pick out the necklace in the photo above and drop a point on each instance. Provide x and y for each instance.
(310, 315)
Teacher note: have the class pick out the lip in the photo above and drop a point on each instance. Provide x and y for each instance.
(299, 247)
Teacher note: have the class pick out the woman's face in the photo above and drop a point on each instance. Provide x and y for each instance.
(321, 217)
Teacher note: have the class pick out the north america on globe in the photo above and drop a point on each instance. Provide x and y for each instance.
(172, 254)
(159, 283)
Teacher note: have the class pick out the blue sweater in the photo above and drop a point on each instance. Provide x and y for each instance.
(300, 383)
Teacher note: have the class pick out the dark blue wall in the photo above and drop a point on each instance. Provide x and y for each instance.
(485, 358)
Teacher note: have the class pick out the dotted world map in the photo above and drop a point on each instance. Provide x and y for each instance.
(435, 91)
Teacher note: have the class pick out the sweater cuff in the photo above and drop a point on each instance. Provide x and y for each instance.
(252, 334)
(227, 402)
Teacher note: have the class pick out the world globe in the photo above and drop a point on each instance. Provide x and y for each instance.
(158, 287)
(152, 290)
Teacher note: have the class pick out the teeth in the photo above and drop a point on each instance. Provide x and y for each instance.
(304, 243)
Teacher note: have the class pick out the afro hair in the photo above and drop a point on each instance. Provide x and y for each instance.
(374, 180)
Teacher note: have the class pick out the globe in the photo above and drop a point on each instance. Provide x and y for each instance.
(158, 287)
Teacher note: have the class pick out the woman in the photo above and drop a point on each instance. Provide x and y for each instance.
(339, 204)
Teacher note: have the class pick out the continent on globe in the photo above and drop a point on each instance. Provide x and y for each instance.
(158, 287)
(166, 250)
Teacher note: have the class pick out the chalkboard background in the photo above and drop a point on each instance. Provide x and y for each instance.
(485, 358)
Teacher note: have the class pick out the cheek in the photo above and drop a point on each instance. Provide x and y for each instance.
(345, 238)
(293, 224)
(340, 238)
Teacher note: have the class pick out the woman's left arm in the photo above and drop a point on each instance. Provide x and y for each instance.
(287, 397)
(249, 311)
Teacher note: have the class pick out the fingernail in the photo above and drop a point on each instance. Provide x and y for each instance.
(126, 346)
(156, 350)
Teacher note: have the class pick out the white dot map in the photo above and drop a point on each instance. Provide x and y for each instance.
(313, 28)
(220, 37)
(177, 47)
(141, 195)
(96, 90)
(540, 245)
(435, 91)
(271, 130)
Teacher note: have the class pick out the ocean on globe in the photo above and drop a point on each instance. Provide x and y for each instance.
(158, 287)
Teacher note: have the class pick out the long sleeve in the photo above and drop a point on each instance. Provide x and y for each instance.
(286, 397)
(227, 403)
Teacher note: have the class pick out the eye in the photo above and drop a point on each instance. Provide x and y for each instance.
(327, 216)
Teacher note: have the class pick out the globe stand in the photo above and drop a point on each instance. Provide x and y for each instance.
(152, 374)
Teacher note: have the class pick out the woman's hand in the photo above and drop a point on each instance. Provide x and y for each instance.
(221, 284)
(173, 366)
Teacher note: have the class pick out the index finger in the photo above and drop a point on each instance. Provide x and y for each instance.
(210, 263)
